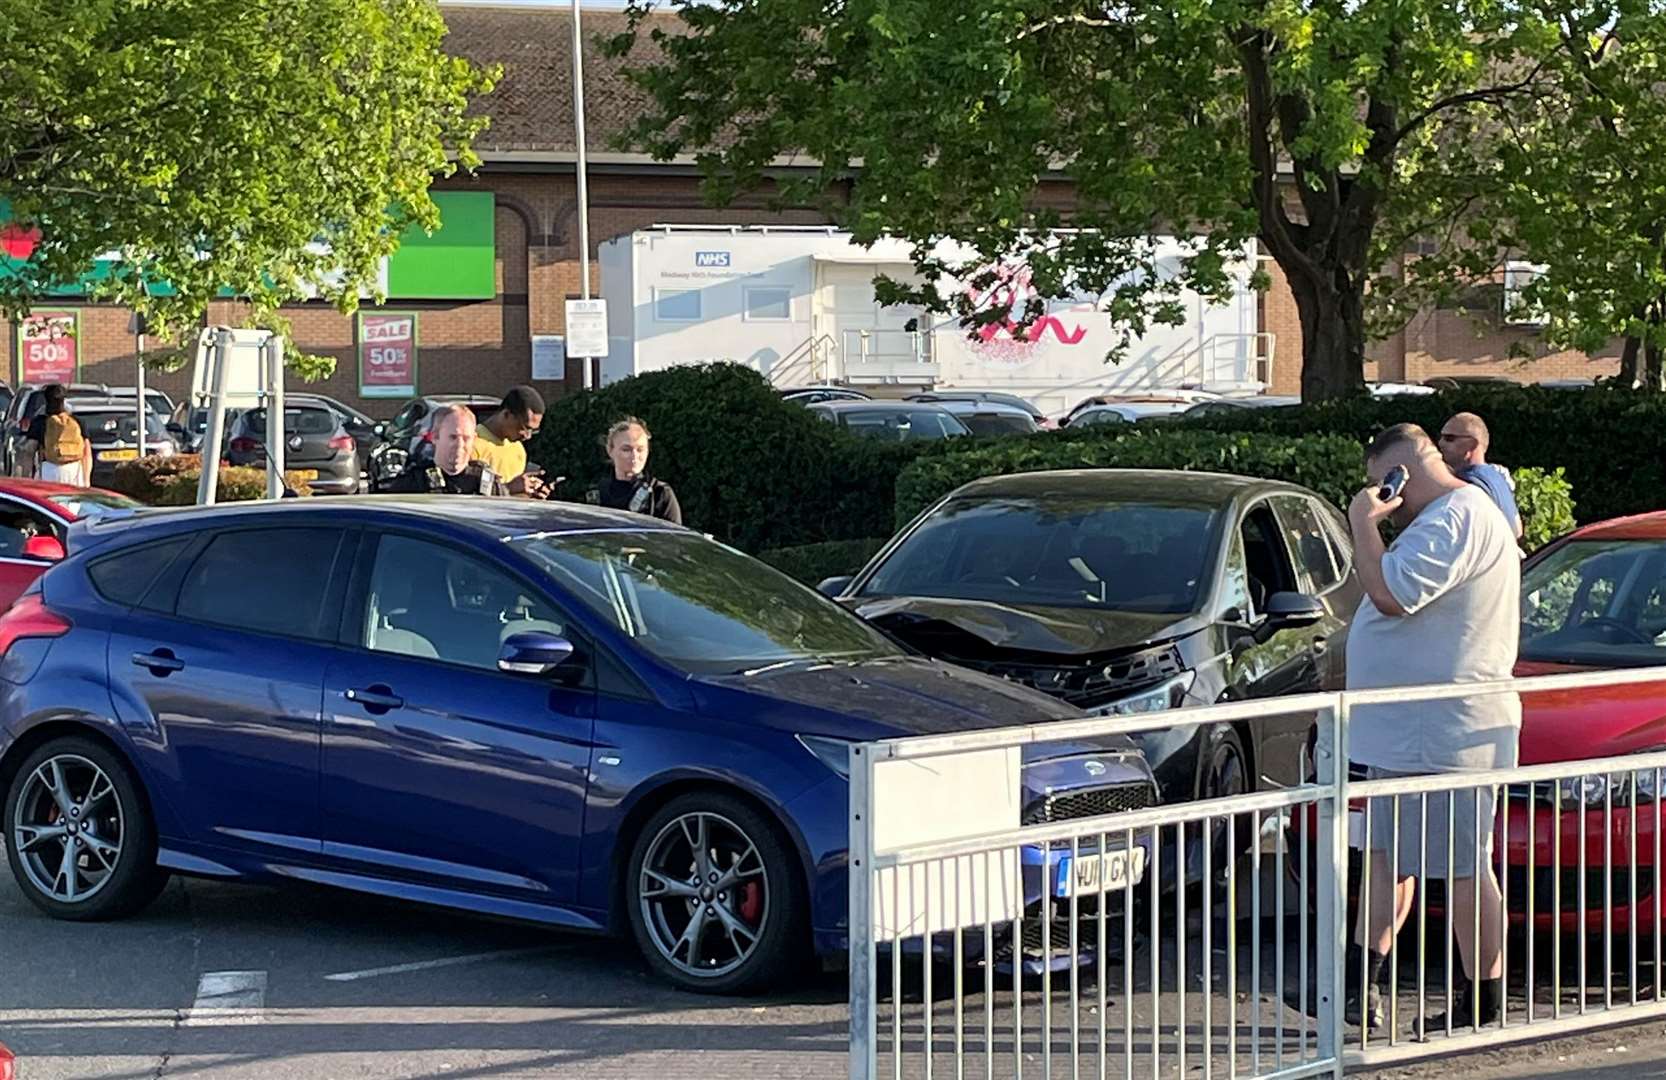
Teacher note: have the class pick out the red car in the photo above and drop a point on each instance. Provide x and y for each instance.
(1595, 599)
(8, 1064)
(34, 515)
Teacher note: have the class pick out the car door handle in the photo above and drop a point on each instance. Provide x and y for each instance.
(160, 662)
(375, 699)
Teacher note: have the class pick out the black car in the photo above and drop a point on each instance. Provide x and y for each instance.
(894, 421)
(316, 445)
(406, 433)
(810, 395)
(112, 427)
(991, 397)
(1228, 406)
(29, 403)
(1133, 591)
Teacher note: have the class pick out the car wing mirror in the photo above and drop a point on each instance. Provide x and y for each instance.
(833, 586)
(1289, 611)
(534, 652)
(44, 547)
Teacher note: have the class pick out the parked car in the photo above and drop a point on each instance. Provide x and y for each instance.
(992, 417)
(35, 517)
(367, 433)
(188, 425)
(556, 713)
(1226, 406)
(112, 427)
(1129, 410)
(1132, 591)
(891, 420)
(28, 404)
(810, 395)
(1459, 382)
(994, 397)
(1398, 389)
(316, 445)
(1096, 416)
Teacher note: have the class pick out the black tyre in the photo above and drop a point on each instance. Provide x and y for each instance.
(1224, 771)
(716, 899)
(79, 836)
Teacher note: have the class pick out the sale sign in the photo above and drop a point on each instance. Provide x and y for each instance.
(387, 354)
(48, 348)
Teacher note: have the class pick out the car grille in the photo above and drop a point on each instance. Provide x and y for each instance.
(1089, 802)
(1089, 685)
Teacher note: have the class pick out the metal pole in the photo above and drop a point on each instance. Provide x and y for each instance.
(272, 359)
(592, 365)
(209, 483)
(864, 983)
(1332, 934)
(139, 383)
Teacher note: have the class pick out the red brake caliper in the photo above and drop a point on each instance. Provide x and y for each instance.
(751, 902)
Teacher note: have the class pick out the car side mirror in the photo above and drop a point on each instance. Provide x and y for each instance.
(1289, 611)
(833, 586)
(534, 652)
(44, 547)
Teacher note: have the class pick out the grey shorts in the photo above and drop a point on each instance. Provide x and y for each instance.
(1451, 827)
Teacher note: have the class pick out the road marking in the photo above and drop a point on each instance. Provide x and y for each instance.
(228, 997)
(426, 965)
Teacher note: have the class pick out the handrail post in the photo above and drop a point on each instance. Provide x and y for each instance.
(1331, 936)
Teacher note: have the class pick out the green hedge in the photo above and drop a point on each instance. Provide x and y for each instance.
(748, 468)
(1329, 465)
(1612, 442)
(172, 481)
(814, 563)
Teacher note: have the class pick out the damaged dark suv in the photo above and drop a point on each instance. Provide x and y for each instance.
(1129, 591)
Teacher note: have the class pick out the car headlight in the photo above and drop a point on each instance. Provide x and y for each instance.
(1170, 694)
(834, 753)
(1591, 790)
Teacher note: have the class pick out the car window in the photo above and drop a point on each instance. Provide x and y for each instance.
(700, 606)
(904, 424)
(1596, 602)
(91, 503)
(297, 421)
(17, 524)
(1099, 416)
(1309, 542)
(1235, 586)
(409, 415)
(434, 602)
(999, 423)
(286, 596)
(1060, 551)
(1265, 557)
(124, 578)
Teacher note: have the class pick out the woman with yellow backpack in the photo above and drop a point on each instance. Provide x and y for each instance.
(66, 457)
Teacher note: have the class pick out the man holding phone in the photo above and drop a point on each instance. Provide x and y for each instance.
(1442, 606)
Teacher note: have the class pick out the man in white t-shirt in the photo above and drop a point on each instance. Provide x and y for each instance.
(1442, 606)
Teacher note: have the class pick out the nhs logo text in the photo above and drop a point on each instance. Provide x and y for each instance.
(711, 258)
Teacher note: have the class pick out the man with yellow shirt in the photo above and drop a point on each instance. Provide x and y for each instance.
(501, 442)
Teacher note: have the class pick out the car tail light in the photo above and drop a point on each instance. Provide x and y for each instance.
(8, 1064)
(29, 617)
(342, 442)
(428, 436)
(244, 445)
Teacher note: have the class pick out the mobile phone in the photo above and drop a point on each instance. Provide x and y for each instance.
(1393, 483)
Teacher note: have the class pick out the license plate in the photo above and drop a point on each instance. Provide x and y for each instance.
(118, 455)
(306, 474)
(1093, 874)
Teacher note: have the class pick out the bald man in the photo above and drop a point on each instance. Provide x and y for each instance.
(1442, 606)
(452, 473)
(1464, 441)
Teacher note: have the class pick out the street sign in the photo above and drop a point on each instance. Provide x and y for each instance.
(587, 328)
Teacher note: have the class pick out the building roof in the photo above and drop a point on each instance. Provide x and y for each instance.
(532, 105)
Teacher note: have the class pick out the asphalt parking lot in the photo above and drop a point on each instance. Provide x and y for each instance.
(244, 981)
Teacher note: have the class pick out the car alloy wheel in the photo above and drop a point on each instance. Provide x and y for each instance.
(68, 828)
(704, 895)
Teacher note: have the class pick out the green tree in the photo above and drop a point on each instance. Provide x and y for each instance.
(254, 146)
(1297, 122)
(1576, 183)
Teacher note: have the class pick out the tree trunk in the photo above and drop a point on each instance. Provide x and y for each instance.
(1654, 378)
(1333, 338)
(1629, 370)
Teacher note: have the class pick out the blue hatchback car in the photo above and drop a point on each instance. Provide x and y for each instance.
(579, 717)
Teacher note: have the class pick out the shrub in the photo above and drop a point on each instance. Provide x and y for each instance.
(1546, 503)
(172, 481)
(1328, 465)
(1611, 441)
(749, 468)
(814, 563)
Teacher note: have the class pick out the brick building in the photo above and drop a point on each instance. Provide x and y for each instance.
(477, 338)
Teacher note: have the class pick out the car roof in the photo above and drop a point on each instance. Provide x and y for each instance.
(462, 399)
(499, 518)
(877, 406)
(968, 407)
(1168, 485)
(39, 491)
(1651, 526)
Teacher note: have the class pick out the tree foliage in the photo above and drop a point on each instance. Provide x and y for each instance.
(1300, 123)
(271, 148)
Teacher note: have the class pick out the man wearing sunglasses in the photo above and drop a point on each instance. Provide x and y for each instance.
(1463, 446)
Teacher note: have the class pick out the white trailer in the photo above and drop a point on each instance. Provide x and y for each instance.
(798, 305)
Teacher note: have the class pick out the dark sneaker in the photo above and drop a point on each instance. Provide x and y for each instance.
(1375, 1011)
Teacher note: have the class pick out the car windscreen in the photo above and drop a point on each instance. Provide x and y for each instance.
(1596, 602)
(92, 504)
(112, 425)
(1056, 551)
(903, 425)
(700, 606)
(993, 423)
(298, 421)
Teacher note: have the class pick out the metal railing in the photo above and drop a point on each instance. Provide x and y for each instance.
(1213, 935)
(888, 356)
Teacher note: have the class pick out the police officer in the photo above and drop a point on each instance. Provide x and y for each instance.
(451, 472)
(630, 487)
